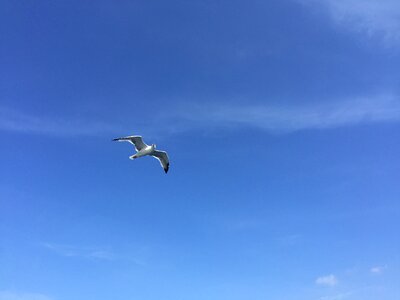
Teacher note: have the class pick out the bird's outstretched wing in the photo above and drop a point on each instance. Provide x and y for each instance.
(162, 156)
(136, 140)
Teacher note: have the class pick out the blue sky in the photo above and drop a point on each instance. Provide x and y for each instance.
(282, 123)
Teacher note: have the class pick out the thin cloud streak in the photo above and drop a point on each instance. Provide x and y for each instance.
(84, 252)
(377, 270)
(20, 122)
(16, 121)
(181, 119)
(10, 295)
(281, 119)
(371, 17)
(329, 280)
(91, 253)
(338, 296)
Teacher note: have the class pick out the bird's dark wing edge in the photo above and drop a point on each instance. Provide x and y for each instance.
(162, 156)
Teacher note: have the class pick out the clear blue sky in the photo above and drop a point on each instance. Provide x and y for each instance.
(282, 123)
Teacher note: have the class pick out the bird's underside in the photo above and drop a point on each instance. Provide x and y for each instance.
(142, 149)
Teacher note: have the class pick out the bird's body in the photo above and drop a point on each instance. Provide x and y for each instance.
(143, 152)
(142, 149)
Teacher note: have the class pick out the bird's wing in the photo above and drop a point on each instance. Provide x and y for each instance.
(136, 140)
(162, 156)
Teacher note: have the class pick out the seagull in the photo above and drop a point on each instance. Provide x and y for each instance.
(142, 149)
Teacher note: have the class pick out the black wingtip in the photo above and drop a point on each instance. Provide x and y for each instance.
(166, 169)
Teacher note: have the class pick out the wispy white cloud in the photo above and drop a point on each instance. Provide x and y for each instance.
(17, 121)
(377, 270)
(83, 252)
(337, 296)
(362, 292)
(9, 295)
(328, 280)
(372, 17)
(275, 118)
(194, 116)
(92, 253)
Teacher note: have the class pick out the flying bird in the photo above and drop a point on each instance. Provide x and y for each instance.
(142, 149)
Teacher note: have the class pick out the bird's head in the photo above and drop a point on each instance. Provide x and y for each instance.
(154, 146)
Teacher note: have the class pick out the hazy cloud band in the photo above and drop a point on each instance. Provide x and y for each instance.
(277, 119)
